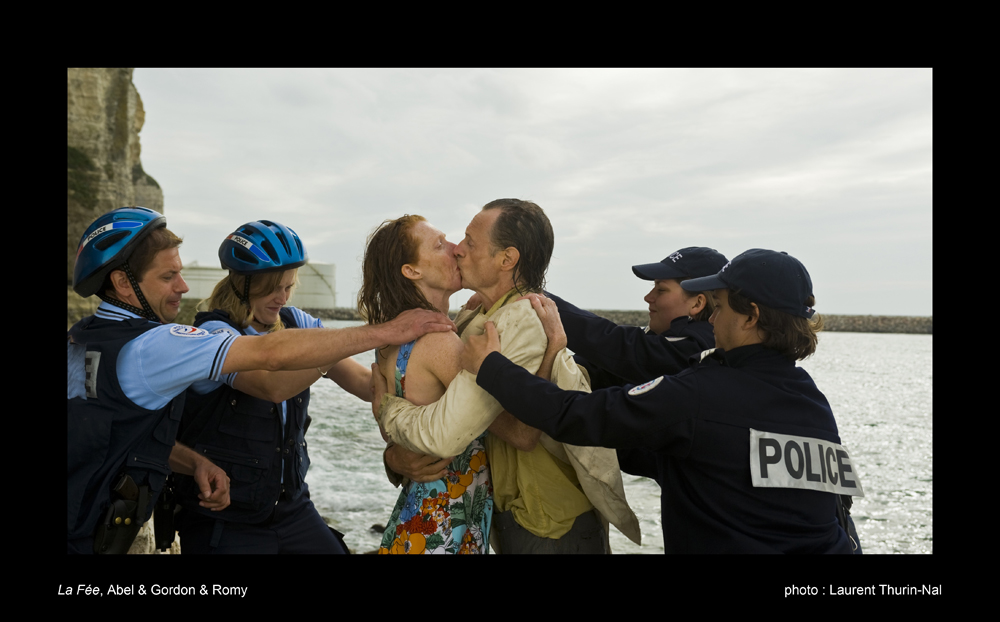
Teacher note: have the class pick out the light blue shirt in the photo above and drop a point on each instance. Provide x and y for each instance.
(159, 364)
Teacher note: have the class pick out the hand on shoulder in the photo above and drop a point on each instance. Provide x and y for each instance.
(413, 323)
(548, 314)
(479, 347)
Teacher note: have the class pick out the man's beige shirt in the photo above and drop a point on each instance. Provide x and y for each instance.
(446, 427)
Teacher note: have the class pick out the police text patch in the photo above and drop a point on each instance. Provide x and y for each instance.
(786, 461)
(180, 330)
(646, 386)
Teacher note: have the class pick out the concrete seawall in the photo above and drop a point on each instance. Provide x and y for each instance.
(833, 323)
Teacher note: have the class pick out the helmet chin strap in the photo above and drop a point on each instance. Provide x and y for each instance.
(245, 296)
(146, 311)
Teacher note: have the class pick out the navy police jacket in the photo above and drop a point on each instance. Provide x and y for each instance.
(615, 355)
(107, 434)
(694, 434)
(243, 436)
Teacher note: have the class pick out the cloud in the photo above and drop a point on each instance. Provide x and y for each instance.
(628, 163)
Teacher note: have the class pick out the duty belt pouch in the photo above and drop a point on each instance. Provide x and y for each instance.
(116, 532)
(164, 514)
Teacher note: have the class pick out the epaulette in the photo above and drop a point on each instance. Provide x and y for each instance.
(712, 354)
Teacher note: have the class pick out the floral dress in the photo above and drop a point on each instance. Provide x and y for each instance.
(450, 515)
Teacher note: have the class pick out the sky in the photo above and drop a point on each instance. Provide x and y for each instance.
(833, 166)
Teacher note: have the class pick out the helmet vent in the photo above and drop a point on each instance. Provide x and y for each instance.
(284, 242)
(269, 249)
(243, 255)
(250, 230)
(110, 240)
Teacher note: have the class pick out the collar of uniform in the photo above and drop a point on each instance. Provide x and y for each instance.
(678, 326)
(501, 302)
(739, 357)
(699, 332)
(107, 311)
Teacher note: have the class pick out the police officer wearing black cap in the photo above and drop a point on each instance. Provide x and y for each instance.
(743, 444)
(678, 324)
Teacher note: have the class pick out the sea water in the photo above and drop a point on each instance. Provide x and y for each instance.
(879, 386)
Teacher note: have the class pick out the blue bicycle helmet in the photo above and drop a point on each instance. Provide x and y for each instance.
(257, 247)
(107, 244)
(262, 246)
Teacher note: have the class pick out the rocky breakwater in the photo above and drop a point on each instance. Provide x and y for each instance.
(915, 324)
(833, 323)
(104, 115)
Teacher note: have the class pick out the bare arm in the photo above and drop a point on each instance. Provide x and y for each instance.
(417, 467)
(211, 480)
(446, 427)
(511, 430)
(308, 349)
(353, 377)
(439, 361)
(278, 386)
(399, 461)
(275, 386)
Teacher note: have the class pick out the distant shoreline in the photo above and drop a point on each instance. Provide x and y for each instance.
(914, 324)
(911, 324)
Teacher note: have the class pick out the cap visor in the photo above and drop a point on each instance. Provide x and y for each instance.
(704, 284)
(654, 271)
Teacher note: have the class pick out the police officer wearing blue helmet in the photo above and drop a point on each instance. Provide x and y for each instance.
(253, 424)
(128, 368)
(745, 446)
(678, 324)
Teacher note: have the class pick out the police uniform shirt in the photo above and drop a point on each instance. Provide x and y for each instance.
(159, 364)
(696, 430)
(151, 369)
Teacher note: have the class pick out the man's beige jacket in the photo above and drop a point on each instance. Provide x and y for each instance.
(446, 427)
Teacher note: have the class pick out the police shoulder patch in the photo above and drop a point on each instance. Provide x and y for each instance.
(181, 330)
(644, 387)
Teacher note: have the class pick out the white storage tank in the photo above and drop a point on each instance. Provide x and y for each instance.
(317, 284)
